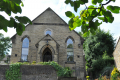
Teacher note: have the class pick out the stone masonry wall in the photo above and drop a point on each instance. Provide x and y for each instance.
(32, 72)
(116, 55)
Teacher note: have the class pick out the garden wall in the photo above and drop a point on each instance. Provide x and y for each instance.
(32, 72)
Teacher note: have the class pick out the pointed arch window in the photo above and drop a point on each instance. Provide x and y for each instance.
(25, 49)
(70, 55)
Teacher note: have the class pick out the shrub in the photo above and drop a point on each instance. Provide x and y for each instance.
(115, 74)
(25, 63)
(34, 62)
(100, 64)
(106, 71)
(13, 73)
(61, 72)
(102, 78)
(88, 77)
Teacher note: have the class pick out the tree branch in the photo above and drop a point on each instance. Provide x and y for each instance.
(106, 2)
(86, 6)
(93, 8)
(100, 9)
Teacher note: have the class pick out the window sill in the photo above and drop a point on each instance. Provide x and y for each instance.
(70, 62)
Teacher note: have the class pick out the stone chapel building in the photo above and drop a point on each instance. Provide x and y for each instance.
(49, 39)
(116, 55)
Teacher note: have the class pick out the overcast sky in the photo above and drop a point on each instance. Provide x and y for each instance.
(32, 8)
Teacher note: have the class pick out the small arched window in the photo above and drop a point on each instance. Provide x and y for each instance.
(70, 55)
(25, 49)
(48, 32)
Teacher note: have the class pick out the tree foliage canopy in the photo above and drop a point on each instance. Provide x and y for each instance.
(5, 45)
(89, 18)
(96, 45)
(13, 6)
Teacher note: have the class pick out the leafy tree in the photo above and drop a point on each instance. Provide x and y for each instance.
(96, 45)
(70, 46)
(13, 6)
(102, 66)
(89, 18)
(4, 45)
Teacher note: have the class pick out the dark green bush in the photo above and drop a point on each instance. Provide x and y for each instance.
(106, 71)
(115, 74)
(99, 65)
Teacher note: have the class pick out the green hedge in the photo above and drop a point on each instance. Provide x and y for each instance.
(100, 64)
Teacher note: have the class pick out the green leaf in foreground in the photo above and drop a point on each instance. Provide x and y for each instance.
(23, 20)
(114, 9)
(3, 23)
(68, 13)
(67, 1)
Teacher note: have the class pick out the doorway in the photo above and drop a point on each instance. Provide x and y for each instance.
(47, 55)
